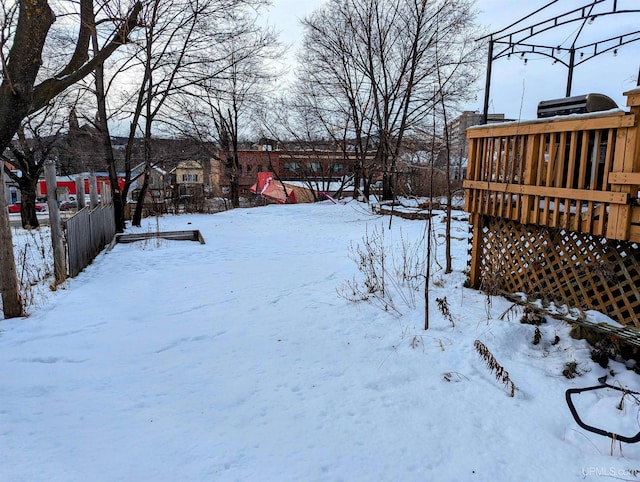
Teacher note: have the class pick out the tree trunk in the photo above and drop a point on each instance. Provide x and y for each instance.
(105, 137)
(28, 206)
(137, 215)
(28, 210)
(356, 182)
(11, 300)
(366, 178)
(234, 191)
(234, 184)
(387, 175)
(387, 189)
(16, 92)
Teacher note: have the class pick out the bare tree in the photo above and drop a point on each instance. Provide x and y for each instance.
(164, 57)
(297, 127)
(22, 94)
(333, 93)
(232, 88)
(452, 54)
(37, 140)
(384, 51)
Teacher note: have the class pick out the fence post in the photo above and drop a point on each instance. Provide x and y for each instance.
(4, 178)
(105, 193)
(93, 191)
(57, 239)
(80, 193)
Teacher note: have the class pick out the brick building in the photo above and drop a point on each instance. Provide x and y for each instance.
(250, 163)
(286, 164)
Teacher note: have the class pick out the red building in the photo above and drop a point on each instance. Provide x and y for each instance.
(327, 165)
(66, 185)
(250, 164)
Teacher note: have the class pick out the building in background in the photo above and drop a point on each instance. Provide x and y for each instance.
(458, 138)
(188, 179)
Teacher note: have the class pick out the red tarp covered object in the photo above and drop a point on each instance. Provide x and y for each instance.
(272, 189)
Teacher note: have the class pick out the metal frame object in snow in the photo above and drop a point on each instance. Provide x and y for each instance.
(599, 431)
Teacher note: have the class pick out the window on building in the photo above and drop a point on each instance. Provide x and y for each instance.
(337, 167)
(189, 178)
(292, 166)
(249, 167)
(315, 166)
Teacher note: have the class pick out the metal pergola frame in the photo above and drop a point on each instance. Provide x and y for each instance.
(512, 40)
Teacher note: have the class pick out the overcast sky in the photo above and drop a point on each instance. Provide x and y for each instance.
(517, 88)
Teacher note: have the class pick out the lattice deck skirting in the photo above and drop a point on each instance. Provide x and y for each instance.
(578, 269)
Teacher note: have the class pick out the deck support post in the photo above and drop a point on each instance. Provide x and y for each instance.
(475, 264)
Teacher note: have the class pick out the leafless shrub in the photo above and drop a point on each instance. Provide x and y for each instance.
(500, 373)
(411, 264)
(532, 317)
(572, 370)
(389, 278)
(491, 281)
(443, 307)
(537, 336)
(34, 258)
(509, 312)
(438, 282)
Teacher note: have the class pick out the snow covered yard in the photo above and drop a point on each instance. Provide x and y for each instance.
(238, 360)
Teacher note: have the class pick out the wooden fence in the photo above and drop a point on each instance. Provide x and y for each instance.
(87, 233)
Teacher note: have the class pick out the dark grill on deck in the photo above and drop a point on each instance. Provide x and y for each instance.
(578, 104)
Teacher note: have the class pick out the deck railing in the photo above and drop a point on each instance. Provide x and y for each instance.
(579, 173)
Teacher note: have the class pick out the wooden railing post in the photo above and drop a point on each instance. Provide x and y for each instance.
(530, 167)
(471, 167)
(625, 176)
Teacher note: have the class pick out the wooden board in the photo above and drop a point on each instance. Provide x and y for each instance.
(189, 235)
(612, 121)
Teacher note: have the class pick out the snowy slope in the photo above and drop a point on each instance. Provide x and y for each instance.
(238, 360)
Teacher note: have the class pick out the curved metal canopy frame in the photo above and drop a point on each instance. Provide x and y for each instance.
(510, 41)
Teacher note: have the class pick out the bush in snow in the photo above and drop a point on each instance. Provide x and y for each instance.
(390, 275)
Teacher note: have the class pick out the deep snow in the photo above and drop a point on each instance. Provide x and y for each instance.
(238, 360)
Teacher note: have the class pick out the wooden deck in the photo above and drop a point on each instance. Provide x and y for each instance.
(580, 172)
(554, 205)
